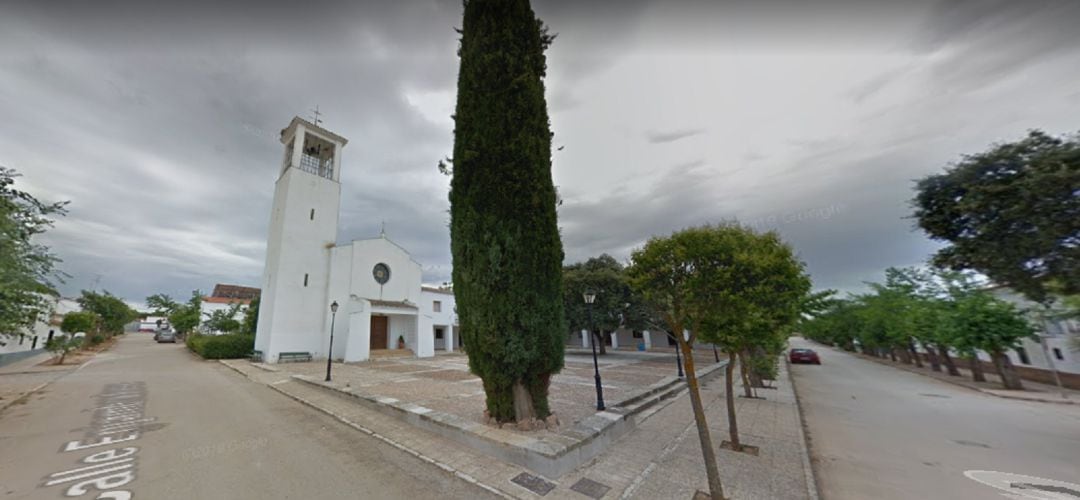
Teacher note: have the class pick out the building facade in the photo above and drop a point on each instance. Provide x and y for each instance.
(376, 284)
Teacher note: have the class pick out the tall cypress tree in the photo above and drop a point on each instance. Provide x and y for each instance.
(503, 228)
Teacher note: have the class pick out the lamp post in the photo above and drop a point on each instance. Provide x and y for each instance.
(330, 350)
(590, 297)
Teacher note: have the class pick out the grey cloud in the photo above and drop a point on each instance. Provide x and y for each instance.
(655, 137)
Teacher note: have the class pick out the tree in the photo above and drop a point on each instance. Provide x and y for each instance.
(251, 318)
(114, 313)
(28, 273)
(223, 320)
(80, 322)
(61, 345)
(664, 272)
(507, 255)
(748, 292)
(162, 304)
(616, 305)
(983, 322)
(1010, 213)
(186, 317)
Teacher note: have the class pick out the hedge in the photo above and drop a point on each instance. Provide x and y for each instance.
(231, 346)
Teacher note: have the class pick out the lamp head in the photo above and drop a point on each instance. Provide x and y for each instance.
(590, 296)
(333, 306)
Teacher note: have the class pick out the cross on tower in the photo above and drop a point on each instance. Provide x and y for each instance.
(317, 113)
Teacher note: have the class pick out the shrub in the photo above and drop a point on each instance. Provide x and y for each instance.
(95, 339)
(231, 346)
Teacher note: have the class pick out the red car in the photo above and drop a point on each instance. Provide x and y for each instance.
(804, 356)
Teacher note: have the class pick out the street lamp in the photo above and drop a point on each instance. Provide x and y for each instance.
(590, 297)
(330, 351)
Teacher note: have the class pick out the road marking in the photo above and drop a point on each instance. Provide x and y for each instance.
(118, 416)
(1021, 486)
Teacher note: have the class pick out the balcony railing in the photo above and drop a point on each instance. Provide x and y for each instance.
(313, 165)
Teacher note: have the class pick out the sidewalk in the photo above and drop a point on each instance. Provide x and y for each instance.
(1033, 391)
(23, 377)
(661, 458)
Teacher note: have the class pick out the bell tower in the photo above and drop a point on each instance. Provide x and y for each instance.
(303, 229)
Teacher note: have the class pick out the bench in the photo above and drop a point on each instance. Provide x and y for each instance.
(256, 356)
(294, 356)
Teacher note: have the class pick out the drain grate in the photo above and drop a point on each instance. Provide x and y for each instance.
(590, 488)
(535, 484)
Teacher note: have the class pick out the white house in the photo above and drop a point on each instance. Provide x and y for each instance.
(44, 330)
(1057, 335)
(376, 284)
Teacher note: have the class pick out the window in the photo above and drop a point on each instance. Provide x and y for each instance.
(312, 216)
(21, 338)
(1023, 355)
(1058, 354)
(637, 334)
(438, 334)
(305, 279)
(436, 306)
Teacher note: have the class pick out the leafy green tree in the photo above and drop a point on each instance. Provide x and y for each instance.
(749, 291)
(665, 273)
(223, 320)
(61, 345)
(983, 322)
(616, 304)
(504, 236)
(1011, 212)
(114, 313)
(162, 304)
(251, 318)
(28, 273)
(186, 317)
(80, 322)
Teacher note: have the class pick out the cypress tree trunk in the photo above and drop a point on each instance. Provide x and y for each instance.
(976, 369)
(504, 237)
(1009, 378)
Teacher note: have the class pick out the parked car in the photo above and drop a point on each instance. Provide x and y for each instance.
(804, 356)
(165, 336)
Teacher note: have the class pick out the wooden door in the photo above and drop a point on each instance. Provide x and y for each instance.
(378, 332)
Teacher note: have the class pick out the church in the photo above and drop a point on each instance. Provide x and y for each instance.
(382, 307)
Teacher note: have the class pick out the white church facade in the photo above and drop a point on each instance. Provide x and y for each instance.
(377, 285)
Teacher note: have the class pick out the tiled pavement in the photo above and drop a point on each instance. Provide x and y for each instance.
(659, 459)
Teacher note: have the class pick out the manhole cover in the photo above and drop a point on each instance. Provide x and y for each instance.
(535, 484)
(970, 443)
(590, 488)
(931, 395)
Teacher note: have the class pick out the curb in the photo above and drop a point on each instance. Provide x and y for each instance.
(808, 465)
(27, 394)
(966, 386)
(449, 469)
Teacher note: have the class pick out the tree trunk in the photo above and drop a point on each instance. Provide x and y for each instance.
(935, 362)
(733, 426)
(755, 376)
(598, 337)
(976, 368)
(945, 358)
(523, 403)
(1009, 378)
(903, 354)
(915, 354)
(744, 375)
(892, 354)
(707, 451)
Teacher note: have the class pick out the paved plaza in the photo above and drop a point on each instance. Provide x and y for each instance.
(444, 383)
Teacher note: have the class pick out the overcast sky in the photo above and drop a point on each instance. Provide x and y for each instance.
(160, 123)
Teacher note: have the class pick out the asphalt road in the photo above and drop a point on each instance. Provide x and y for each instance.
(155, 422)
(882, 433)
